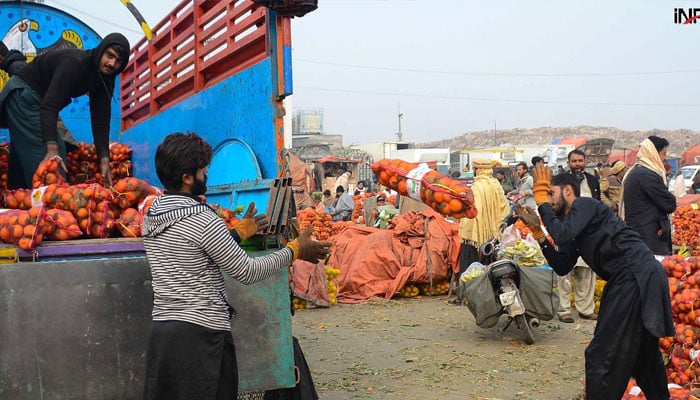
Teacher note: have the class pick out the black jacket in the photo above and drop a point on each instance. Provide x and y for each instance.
(647, 203)
(612, 250)
(60, 75)
(593, 184)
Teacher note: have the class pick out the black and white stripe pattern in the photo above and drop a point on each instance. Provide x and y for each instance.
(187, 246)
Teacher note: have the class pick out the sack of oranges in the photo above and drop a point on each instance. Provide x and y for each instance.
(449, 197)
(81, 200)
(24, 228)
(129, 192)
(48, 173)
(129, 222)
(61, 225)
(19, 199)
(82, 164)
(102, 220)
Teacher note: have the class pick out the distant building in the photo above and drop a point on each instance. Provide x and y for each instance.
(307, 122)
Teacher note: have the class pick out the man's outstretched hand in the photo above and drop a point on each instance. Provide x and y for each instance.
(308, 249)
(250, 224)
(530, 219)
(542, 178)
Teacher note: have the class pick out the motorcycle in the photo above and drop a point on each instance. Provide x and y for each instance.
(505, 280)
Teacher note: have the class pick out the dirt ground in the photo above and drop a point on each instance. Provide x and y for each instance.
(426, 349)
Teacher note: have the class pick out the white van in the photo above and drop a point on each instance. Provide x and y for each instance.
(689, 173)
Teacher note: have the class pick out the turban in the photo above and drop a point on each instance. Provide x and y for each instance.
(481, 163)
(617, 167)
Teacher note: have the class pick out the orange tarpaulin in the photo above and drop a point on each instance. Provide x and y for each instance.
(310, 283)
(377, 263)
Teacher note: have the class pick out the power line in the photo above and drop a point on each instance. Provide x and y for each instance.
(591, 74)
(486, 99)
(95, 17)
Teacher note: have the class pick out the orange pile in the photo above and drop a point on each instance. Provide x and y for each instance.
(321, 221)
(686, 227)
(684, 286)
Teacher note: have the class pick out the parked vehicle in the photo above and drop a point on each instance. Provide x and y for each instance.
(492, 288)
(689, 172)
(505, 280)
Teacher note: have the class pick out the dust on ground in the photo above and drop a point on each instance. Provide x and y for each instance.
(426, 349)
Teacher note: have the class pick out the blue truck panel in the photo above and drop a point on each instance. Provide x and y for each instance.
(239, 107)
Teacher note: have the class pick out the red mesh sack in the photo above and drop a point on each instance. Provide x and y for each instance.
(129, 222)
(61, 225)
(450, 197)
(48, 173)
(129, 192)
(24, 228)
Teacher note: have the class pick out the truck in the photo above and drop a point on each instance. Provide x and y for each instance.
(441, 156)
(460, 160)
(75, 315)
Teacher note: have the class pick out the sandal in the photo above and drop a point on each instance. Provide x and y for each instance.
(592, 316)
(566, 318)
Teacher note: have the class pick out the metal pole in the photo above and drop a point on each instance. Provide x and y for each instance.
(495, 139)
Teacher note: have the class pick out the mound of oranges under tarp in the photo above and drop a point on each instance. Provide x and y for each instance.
(422, 247)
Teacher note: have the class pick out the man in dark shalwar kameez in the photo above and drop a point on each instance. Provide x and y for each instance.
(635, 309)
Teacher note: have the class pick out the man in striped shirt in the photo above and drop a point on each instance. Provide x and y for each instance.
(190, 351)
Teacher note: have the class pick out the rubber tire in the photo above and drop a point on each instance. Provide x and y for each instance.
(521, 322)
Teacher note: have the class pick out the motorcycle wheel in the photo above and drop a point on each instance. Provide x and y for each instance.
(521, 321)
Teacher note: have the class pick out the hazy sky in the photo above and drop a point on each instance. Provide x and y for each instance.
(454, 66)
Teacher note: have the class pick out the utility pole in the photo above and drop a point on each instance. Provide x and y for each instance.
(400, 115)
(495, 139)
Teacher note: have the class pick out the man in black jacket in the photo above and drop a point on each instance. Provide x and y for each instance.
(635, 310)
(646, 199)
(584, 278)
(31, 100)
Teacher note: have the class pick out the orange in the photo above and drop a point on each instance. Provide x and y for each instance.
(28, 230)
(402, 187)
(25, 244)
(438, 197)
(383, 178)
(455, 206)
(61, 234)
(393, 182)
(5, 235)
(17, 231)
(34, 212)
(81, 213)
(11, 202)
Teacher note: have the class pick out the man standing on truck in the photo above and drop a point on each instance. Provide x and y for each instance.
(190, 351)
(31, 100)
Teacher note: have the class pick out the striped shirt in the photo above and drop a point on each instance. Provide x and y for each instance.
(187, 246)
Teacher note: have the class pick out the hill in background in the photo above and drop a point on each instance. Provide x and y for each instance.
(679, 139)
